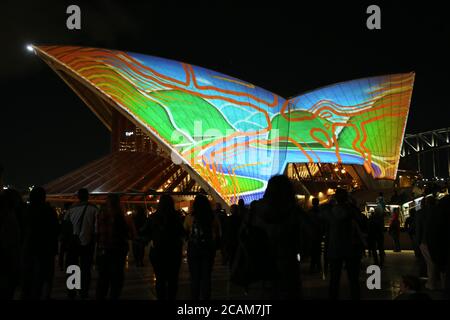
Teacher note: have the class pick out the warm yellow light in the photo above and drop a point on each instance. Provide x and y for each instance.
(343, 171)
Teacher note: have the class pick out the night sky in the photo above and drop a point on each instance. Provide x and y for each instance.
(47, 131)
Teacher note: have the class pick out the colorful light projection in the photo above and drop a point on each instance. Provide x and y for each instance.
(235, 135)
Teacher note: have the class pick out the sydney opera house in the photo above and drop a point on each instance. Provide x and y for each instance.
(179, 128)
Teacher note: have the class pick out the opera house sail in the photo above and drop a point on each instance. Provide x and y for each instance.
(230, 135)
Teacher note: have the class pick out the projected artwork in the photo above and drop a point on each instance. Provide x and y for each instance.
(234, 135)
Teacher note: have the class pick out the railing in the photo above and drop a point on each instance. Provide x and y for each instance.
(404, 209)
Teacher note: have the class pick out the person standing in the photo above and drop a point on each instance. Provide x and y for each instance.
(40, 247)
(344, 246)
(114, 232)
(394, 230)
(281, 220)
(423, 229)
(10, 236)
(222, 217)
(139, 221)
(315, 222)
(166, 236)
(80, 223)
(202, 228)
(376, 237)
(381, 203)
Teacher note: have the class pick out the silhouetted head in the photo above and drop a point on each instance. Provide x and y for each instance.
(37, 196)
(83, 195)
(315, 202)
(218, 206)
(241, 203)
(280, 192)
(341, 196)
(166, 204)
(201, 209)
(380, 194)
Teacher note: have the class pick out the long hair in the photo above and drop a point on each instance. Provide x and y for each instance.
(165, 210)
(201, 211)
(115, 213)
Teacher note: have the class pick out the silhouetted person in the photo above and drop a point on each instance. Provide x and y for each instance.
(202, 228)
(445, 207)
(394, 229)
(282, 220)
(326, 211)
(16, 205)
(80, 222)
(438, 240)
(410, 289)
(10, 236)
(423, 235)
(242, 211)
(234, 222)
(375, 237)
(223, 227)
(165, 233)
(139, 220)
(65, 237)
(344, 246)
(40, 247)
(315, 222)
(362, 223)
(410, 226)
(381, 203)
(113, 233)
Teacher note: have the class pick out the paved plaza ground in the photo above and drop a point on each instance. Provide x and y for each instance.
(139, 282)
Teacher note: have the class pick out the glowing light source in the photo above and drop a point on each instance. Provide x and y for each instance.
(239, 112)
(30, 48)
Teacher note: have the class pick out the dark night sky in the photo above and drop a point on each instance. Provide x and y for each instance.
(46, 130)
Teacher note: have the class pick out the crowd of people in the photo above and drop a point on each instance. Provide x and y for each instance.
(264, 243)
